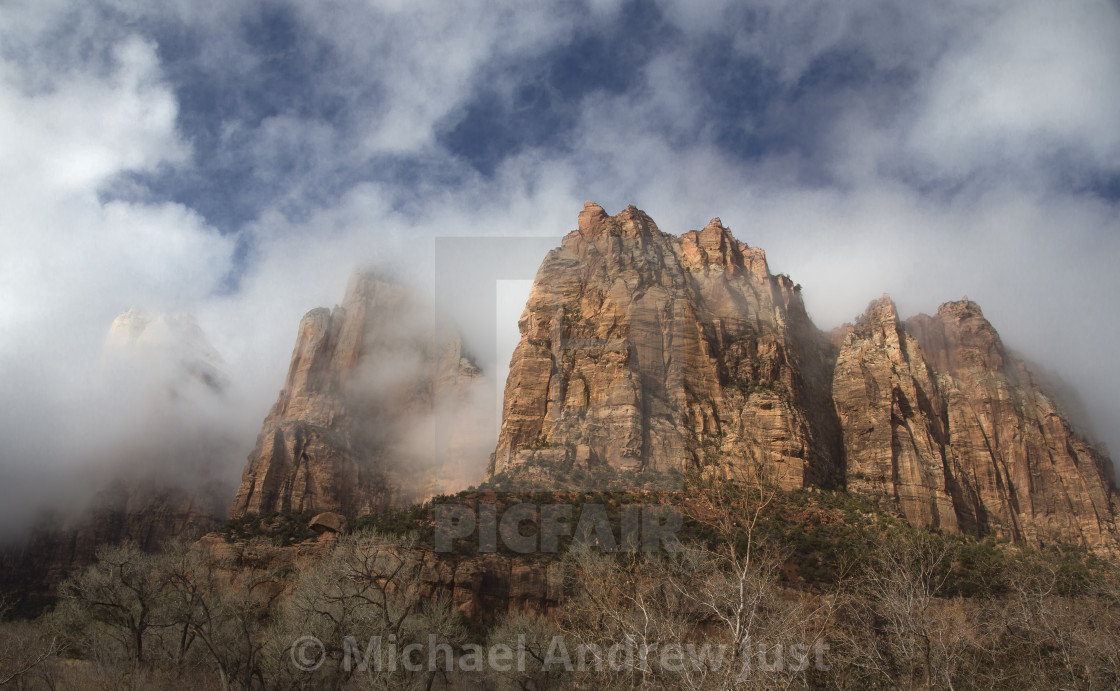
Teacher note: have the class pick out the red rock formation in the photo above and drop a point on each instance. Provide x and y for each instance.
(939, 417)
(645, 351)
(360, 376)
(887, 400)
(642, 351)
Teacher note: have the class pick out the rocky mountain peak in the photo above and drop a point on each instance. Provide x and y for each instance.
(643, 351)
(714, 246)
(169, 350)
(959, 338)
(594, 222)
(351, 429)
(880, 311)
(879, 323)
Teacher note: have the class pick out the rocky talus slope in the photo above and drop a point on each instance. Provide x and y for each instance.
(645, 351)
(345, 432)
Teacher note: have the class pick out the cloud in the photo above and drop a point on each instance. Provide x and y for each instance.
(72, 259)
(1034, 81)
(61, 148)
(237, 161)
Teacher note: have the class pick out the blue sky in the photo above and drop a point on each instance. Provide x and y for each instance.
(238, 159)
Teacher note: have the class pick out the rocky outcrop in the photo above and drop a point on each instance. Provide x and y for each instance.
(888, 403)
(328, 522)
(939, 418)
(643, 351)
(482, 587)
(490, 584)
(352, 428)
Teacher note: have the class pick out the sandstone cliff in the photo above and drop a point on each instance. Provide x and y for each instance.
(941, 419)
(352, 430)
(644, 351)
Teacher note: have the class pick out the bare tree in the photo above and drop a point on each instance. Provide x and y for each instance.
(1060, 638)
(901, 630)
(25, 647)
(364, 598)
(711, 616)
(229, 610)
(535, 635)
(122, 591)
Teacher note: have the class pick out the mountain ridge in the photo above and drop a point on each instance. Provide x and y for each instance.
(643, 351)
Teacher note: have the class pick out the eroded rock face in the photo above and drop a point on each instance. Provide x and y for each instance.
(328, 522)
(888, 402)
(348, 429)
(939, 417)
(643, 351)
(646, 351)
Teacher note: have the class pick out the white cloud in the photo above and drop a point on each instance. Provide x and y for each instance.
(1035, 79)
(67, 253)
(71, 260)
(985, 88)
(68, 138)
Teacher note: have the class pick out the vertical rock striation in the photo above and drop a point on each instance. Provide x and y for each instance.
(890, 411)
(644, 351)
(940, 418)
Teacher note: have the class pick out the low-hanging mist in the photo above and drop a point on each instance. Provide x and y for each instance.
(382, 407)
